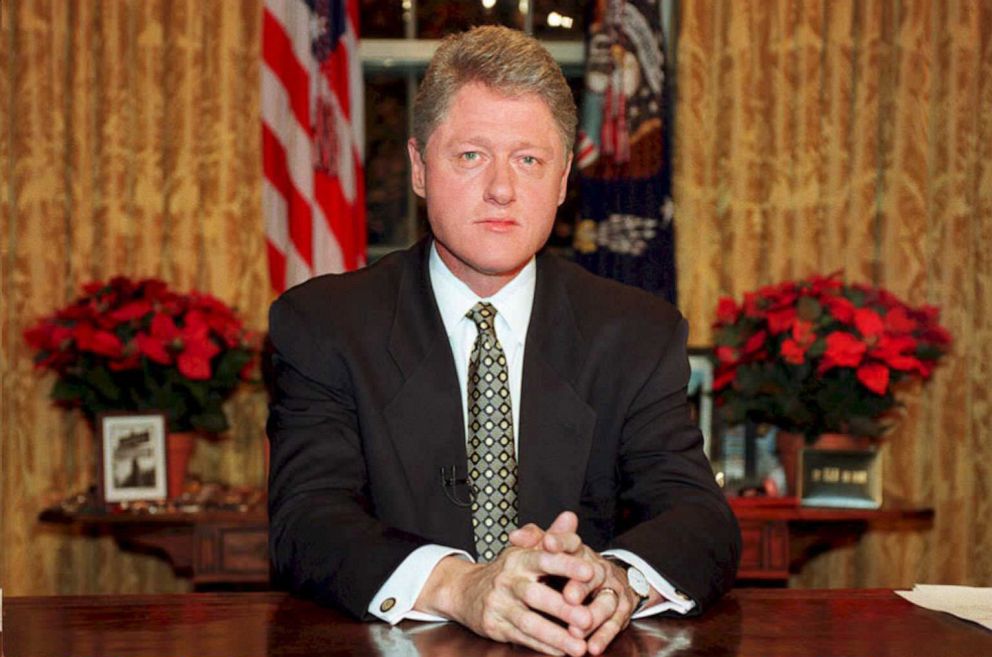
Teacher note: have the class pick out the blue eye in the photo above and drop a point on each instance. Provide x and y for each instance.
(470, 156)
(529, 160)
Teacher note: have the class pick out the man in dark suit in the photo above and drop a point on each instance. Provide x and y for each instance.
(463, 425)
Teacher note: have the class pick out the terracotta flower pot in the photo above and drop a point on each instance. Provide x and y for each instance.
(180, 447)
(787, 447)
(842, 441)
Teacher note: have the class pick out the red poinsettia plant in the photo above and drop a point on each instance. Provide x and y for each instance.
(822, 356)
(135, 345)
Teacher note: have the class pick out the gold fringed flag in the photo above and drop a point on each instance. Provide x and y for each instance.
(625, 230)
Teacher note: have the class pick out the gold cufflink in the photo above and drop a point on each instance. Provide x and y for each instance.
(387, 604)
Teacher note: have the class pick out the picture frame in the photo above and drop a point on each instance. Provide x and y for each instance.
(849, 479)
(740, 457)
(132, 457)
(699, 393)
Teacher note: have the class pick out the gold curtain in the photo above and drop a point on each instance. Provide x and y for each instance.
(129, 144)
(816, 136)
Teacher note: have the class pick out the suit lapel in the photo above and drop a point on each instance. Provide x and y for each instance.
(425, 416)
(556, 425)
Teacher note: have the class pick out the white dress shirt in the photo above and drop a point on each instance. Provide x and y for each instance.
(513, 302)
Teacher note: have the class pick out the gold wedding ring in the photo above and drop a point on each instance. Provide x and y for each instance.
(607, 589)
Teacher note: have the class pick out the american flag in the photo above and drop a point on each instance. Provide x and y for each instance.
(313, 196)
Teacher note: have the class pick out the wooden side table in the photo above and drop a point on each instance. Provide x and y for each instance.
(779, 535)
(211, 547)
(231, 547)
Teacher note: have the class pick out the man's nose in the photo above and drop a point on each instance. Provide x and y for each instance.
(500, 185)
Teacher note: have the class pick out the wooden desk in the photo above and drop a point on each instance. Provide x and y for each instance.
(779, 535)
(748, 622)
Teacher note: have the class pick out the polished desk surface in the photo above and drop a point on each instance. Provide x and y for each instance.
(748, 622)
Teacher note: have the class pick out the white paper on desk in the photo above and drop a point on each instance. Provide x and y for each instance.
(968, 602)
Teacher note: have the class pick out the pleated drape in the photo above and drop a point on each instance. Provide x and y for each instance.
(129, 144)
(840, 135)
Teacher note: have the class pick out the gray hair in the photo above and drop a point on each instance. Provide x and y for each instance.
(505, 60)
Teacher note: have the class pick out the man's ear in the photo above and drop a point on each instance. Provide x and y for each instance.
(418, 173)
(563, 183)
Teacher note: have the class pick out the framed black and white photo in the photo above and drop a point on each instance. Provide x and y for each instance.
(133, 457)
(700, 395)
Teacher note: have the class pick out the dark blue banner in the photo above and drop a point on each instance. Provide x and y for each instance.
(625, 229)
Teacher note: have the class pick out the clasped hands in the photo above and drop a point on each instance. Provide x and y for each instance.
(510, 599)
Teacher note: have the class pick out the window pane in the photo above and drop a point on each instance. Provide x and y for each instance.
(559, 20)
(386, 168)
(438, 18)
(381, 19)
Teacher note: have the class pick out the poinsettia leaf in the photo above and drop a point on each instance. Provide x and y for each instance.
(928, 351)
(212, 420)
(150, 381)
(749, 379)
(817, 349)
(99, 379)
(863, 426)
(198, 390)
(229, 366)
(67, 390)
(855, 296)
(729, 336)
(179, 421)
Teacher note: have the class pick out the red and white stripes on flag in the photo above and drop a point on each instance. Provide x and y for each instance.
(313, 196)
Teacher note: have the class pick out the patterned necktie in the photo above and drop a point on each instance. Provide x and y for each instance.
(492, 466)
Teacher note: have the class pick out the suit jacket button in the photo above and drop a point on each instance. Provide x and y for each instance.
(387, 604)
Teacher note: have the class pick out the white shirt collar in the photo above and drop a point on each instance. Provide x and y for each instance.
(513, 302)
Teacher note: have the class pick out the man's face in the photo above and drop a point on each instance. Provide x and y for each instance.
(494, 174)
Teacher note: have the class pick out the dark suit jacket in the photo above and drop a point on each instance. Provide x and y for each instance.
(366, 411)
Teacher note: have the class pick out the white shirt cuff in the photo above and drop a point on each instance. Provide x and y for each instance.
(675, 600)
(395, 599)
